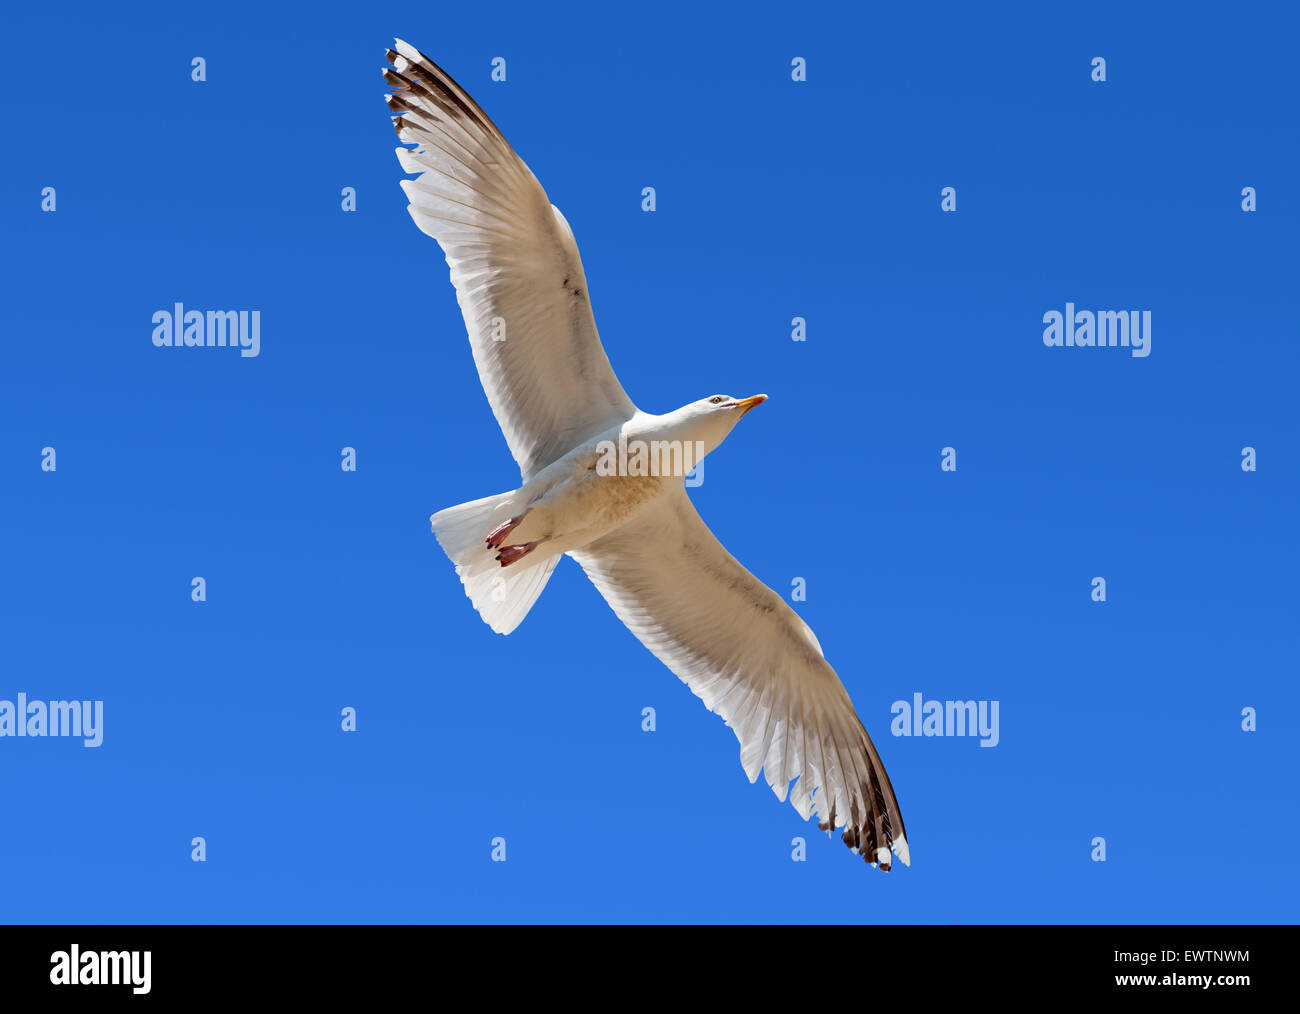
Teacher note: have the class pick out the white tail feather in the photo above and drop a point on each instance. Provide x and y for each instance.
(502, 595)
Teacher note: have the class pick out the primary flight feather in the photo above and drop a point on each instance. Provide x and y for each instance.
(576, 437)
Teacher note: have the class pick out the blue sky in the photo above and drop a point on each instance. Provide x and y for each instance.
(775, 199)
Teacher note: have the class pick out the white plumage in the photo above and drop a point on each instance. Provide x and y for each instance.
(736, 643)
(513, 258)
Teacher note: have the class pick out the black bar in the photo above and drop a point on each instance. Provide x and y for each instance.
(980, 964)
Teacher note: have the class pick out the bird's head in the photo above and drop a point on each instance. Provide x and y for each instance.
(709, 420)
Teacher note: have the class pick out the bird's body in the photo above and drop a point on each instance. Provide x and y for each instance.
(603, 481)
(598, 486)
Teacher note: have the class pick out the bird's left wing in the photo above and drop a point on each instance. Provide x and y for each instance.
(515, 265)
(751, 659)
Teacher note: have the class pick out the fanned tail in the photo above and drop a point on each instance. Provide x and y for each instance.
(501, 595)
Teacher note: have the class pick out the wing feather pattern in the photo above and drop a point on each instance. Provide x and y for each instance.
(514, 263)
(750, 658)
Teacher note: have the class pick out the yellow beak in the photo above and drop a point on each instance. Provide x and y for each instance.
(745, 404)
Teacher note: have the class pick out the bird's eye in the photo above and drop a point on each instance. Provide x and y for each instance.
(717, 399)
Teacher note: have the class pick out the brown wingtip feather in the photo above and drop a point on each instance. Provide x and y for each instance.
(857, 835)
(421, 75)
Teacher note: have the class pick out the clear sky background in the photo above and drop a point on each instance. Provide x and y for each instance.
(776, 199)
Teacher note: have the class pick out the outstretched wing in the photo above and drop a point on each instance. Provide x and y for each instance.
(515, 265)
(751, 659)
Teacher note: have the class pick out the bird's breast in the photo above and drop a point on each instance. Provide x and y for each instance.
(596, 504)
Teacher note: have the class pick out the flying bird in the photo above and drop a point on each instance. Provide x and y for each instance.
(585, 489)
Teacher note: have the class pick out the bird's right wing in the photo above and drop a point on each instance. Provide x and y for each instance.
(751, 659)
(515, 265)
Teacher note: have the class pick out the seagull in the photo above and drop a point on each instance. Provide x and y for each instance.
(592, 486)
